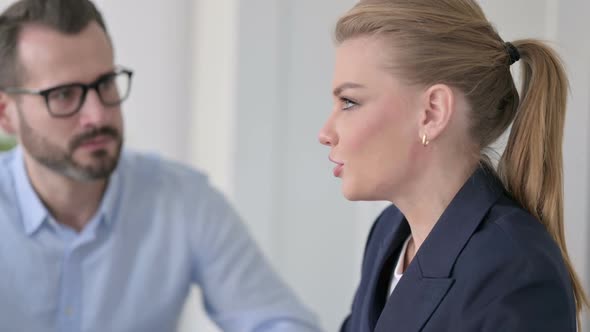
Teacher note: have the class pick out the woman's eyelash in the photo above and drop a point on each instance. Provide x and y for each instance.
(347, 103)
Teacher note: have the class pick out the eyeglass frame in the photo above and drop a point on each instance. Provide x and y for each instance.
(85, 88)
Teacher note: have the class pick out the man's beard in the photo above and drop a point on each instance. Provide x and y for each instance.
(63, 162)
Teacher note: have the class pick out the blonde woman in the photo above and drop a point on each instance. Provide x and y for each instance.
(422, 88)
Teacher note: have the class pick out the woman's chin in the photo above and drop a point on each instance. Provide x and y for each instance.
(353, 194)
(356, 194)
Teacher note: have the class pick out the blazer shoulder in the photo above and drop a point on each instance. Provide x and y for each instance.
(512, 267)
(511, 239)
(525, 233)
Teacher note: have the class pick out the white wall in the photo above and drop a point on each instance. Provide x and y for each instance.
(151, 38)
(571, 36)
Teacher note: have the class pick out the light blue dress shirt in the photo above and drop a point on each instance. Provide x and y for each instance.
(159, 229)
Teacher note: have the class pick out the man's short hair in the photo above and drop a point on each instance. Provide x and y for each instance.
(65, 16)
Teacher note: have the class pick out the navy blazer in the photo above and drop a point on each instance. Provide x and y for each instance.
(487, 265)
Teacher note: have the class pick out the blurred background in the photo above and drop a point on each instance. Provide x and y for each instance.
(240, 89)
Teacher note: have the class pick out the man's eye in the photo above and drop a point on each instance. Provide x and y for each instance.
(63, 94)
(107, 83)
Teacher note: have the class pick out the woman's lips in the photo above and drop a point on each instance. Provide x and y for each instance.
(339, 167)
(338, 170)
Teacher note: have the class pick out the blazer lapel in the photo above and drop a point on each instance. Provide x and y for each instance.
(396, 231)
(413, 301)
(428, 278)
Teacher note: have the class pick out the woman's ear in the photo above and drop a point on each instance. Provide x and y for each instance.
(8, 118)
(439, 106)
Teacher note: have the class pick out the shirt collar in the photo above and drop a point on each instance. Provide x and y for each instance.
(110, 203)
(398, 272)
(34, 212)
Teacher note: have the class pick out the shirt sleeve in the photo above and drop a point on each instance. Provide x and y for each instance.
(240, 289)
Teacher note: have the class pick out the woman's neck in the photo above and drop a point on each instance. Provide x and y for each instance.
(425, 199)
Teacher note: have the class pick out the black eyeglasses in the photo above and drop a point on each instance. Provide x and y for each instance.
(66, 100)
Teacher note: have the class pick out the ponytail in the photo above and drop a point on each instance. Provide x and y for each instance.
(531, 167)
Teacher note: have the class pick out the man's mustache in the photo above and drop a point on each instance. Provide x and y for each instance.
(93, 133)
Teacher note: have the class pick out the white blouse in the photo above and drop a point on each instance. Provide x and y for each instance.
(398, 271)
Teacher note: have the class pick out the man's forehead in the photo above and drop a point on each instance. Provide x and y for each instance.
(46, 52)
(41, 36)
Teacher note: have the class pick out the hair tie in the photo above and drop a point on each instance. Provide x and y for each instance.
(512, 52)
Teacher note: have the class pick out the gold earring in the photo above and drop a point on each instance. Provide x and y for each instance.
(425, 140)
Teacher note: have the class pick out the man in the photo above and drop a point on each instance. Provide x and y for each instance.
(94, 237)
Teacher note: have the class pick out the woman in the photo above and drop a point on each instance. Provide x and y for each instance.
(422, 88)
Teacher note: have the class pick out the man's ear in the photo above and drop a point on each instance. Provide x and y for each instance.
(439, 105)
(8, 116)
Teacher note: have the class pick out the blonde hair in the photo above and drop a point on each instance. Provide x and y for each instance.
(452, 42)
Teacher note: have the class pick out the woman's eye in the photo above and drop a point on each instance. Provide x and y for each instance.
(348, 104)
